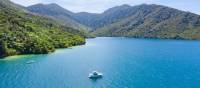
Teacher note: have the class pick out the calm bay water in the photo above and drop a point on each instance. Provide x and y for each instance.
(125, 62)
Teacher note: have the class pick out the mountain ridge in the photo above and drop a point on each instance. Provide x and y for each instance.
(145, 21)
(57, 12)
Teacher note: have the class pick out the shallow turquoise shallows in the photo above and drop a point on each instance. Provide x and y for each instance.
(125, 63)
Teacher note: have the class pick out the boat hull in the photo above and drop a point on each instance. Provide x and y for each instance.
(91, 76)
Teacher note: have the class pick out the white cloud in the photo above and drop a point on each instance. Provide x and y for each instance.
(27, 2)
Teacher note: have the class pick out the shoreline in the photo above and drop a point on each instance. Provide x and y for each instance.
(150, 38)
(25, 55)
(2, 58)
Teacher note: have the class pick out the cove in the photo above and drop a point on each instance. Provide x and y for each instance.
(125, 63)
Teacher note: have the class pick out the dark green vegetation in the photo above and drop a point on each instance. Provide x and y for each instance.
(25, 33)
(142, 21)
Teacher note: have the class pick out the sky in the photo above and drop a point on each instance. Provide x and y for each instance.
(98, 6)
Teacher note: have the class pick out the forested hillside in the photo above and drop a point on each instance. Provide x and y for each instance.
(154, 21)
(25, 33)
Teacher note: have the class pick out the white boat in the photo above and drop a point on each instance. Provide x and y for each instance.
(30, 62)
(95, 75)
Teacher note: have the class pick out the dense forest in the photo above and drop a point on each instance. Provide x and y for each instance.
(25, 33)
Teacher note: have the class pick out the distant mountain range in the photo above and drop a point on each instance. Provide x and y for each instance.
(142, 21)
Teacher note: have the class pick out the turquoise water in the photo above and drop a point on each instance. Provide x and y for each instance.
(125, 62)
